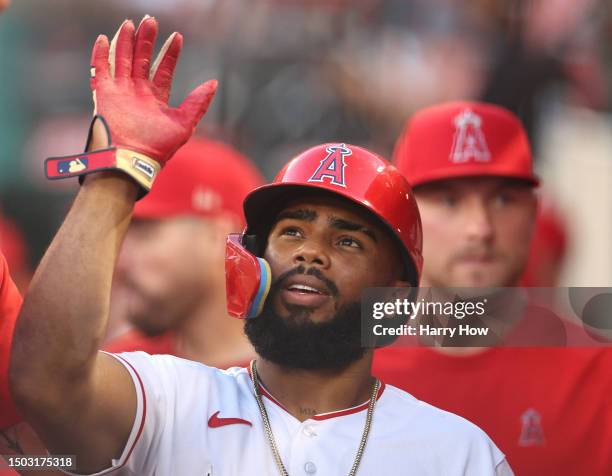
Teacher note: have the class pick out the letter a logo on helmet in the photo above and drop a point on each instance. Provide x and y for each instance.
(332, 166)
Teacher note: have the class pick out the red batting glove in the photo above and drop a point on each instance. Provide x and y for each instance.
(131, 98)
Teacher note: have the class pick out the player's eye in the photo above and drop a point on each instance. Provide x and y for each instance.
(449, 201)
(291, 231)
(349, 241)
(503, 198)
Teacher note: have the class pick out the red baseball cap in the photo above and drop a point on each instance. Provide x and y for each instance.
(463, 139)
(205, 178)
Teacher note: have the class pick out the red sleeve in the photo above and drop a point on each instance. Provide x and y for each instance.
(10, 302)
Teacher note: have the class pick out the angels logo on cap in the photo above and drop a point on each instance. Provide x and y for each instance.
(531, 432)
(332, 166)
(464, 139)
(469, 141)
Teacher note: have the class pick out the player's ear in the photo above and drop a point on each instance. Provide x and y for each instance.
(398, 289)
(534, 204)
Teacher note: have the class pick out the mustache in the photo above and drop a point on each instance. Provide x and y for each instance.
(301, 269)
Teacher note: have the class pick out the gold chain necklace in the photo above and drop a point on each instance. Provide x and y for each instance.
(270, 435)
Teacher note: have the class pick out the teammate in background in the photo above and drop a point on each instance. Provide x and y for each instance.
(328, 227)
(170, 281)
(547, 408)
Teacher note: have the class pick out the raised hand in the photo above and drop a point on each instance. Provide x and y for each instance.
(132, 96)
(131, 100)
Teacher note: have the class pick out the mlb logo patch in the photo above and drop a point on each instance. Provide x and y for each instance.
(332, 165)
(72, 166)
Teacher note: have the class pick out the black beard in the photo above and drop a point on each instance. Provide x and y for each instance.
(298, 343)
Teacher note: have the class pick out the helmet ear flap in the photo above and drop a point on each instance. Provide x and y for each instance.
(247, 277)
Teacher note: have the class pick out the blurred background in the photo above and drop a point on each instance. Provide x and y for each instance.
(294, 73)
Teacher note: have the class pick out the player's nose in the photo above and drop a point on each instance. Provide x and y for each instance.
(313, 253)
(478, 221)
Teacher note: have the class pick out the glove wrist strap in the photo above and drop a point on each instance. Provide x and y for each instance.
(139, 167)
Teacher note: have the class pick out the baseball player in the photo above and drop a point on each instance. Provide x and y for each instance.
(169, 280)
(336, 219)
(547, 408)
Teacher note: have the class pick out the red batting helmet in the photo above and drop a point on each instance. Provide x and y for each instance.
(463, 139)
(353, 173)
(343, 170)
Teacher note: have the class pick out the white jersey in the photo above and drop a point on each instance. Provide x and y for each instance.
(194, 420)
